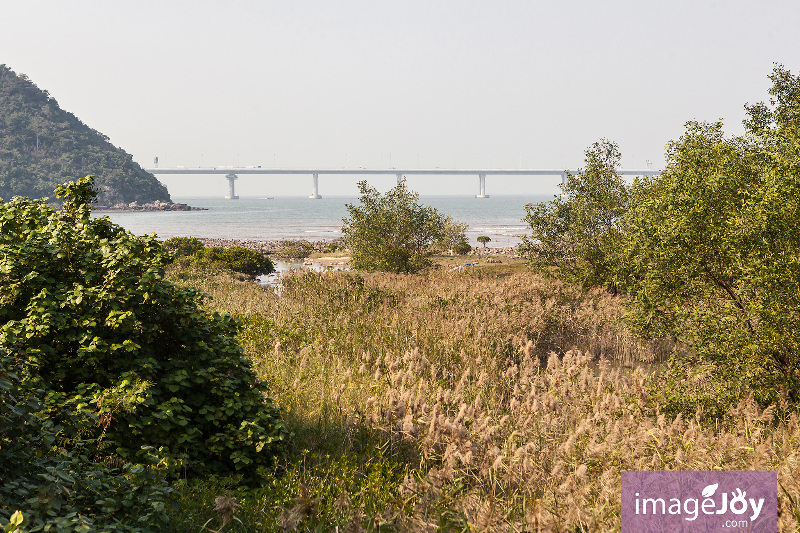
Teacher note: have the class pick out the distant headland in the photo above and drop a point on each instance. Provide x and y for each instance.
(43, 146)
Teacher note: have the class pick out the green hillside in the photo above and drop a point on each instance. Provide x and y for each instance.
(42, 146)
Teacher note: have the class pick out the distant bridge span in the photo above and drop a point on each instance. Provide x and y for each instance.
(231, 174)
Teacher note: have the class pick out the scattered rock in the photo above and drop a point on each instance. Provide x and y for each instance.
(267, 247)
(152, 206)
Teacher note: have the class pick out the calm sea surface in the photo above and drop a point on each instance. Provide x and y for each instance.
(279, 218)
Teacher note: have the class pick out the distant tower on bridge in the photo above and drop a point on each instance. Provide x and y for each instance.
(231, 192)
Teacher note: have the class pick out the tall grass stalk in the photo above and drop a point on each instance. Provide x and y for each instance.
(500, 403)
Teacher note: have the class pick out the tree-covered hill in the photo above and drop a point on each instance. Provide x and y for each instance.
(42, 146)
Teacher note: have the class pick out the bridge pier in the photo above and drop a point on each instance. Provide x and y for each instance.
(399, 179)
(482, 186)
(231, 192)
(315, 192)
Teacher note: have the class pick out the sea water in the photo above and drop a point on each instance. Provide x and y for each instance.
(280, 218)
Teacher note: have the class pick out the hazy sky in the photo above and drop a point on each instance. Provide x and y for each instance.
(397, 83)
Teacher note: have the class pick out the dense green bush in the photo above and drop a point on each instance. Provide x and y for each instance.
(183, 246)
(63, 489)
(394, 232)
(85, 305)
(250, 262)
(462, 248)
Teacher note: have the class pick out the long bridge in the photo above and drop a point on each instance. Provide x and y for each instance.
(231, 174)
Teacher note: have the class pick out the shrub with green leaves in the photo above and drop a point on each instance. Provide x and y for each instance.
(462, 248)
(84, 303)
(394, 232)
(62, 489)
(183, 246)
(249, 262)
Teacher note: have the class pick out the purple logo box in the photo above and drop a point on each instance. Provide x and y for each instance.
(693, 501)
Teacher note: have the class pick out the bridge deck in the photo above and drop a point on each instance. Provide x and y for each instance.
(385, 171)
(231, 173)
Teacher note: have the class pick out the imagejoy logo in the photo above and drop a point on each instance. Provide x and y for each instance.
(688, 501)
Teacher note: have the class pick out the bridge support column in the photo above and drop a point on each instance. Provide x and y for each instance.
(315, 192)
(482, 186)
(399, 179)
(231, 192)
(563, 184)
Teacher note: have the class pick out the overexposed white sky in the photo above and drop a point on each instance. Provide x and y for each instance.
(412, 83)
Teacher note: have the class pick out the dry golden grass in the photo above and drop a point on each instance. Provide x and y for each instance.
(511, 400)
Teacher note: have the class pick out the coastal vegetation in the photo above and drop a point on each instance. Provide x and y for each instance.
(573, 237)
(490, 399)
(184, 246)
(239, 259)
(706, 253)
(653, 328)
(43, 146)
(711, 254)
(395, 233)
(251, 263)
(118, 366)
(465, 400)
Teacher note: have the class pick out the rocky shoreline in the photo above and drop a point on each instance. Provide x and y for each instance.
(267, 247)
(151, 206)
(270, 247)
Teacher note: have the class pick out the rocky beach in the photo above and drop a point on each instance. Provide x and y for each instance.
(319, 246)
(150, 206)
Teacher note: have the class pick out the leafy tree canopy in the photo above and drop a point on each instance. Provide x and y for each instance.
(394, 232)
(573, 235)
(42, 145)
(85, 306)
(711, 252)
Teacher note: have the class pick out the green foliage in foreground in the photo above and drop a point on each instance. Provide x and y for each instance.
(84, 305)
(394, 233)
(574, 235)
(712, 251)
(238, 259)
(316, 492)
(63, 489)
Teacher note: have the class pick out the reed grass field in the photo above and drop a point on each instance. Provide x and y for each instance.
(482, 400)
